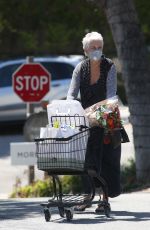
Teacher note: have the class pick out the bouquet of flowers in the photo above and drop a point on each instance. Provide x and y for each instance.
(108, 115)
(105, 114)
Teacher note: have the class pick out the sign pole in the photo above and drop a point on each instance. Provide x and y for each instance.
(29, 111)
(31, 82)
(29, 106)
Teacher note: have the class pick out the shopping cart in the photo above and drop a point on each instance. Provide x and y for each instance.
(66, 156)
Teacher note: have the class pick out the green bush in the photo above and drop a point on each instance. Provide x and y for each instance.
(128, 177)
(40, 188)
(44, 188)
(73, 184)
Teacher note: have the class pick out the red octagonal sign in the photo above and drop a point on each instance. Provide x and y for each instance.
(31, 82)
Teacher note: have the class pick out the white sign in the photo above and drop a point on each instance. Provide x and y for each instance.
(36, 83)
(23, 153)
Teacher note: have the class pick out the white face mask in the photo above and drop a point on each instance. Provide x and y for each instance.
(95, 55)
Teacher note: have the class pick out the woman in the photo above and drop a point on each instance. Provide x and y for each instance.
(95, 78)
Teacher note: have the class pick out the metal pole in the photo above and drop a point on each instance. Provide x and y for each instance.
(29, 107)
(29, 111)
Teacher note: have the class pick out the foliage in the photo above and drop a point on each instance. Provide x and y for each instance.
(73, 184)
(35, 27)
(128, 176)
(44, 188)
(47, 27)
(142, 8)
(37, 189)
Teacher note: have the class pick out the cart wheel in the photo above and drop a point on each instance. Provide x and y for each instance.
(47, 215)
(107, 210)
(61, 211)
(69, 215)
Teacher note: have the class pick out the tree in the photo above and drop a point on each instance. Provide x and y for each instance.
(48, 27)
(132, 53)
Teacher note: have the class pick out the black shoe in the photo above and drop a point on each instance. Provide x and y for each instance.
(101, 209)
(82, 207)
(86, 204)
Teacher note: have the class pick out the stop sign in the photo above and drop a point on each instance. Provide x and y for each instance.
(31, 82)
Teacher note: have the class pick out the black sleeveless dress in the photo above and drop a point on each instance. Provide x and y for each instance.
(100, 157)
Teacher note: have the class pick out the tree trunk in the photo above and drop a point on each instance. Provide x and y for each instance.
(132, 53)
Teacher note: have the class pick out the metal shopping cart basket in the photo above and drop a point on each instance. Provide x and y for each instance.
(66, 156)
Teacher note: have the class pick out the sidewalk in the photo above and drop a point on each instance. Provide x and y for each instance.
(129, 212)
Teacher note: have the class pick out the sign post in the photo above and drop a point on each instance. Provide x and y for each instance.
(29, 106)
(29, 111)
(31, 82)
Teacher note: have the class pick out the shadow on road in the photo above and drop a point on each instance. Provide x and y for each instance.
(18, 210)
(131, 216)
(115, 216)
(21, 210)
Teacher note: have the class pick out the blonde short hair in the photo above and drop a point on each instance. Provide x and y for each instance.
(90, 37)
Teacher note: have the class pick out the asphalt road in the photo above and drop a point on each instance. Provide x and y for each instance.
(129, 211)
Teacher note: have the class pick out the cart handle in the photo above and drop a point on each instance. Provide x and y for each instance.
(56, 139)
(63, 138)
(83, 127)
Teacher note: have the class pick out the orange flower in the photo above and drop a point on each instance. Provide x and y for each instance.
(110, 122)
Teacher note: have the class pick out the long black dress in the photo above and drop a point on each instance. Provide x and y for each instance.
(105, 159)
